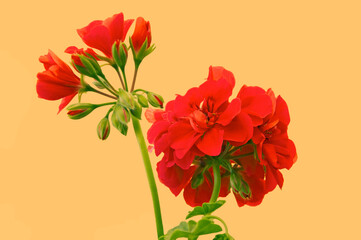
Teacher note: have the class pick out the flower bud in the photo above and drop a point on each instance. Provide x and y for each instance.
(88, 66)
(121, 114)
(140, 41)
(236, 181)
(103, 128)
(119, 119)
(143, 101)
(120, 54)
(155, 99)
(137, 111)
(80, 110)
(126, 99)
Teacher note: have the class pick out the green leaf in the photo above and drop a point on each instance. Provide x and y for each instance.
(224, 236)
(206, 226)
(192, 230)
(205, 209)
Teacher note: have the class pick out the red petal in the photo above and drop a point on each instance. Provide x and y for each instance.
(216, 73)
(65, 101)
(51, 88)
(174, 177)
(240, 129)
(99, 38)
(182, 137)
(200, 195)
(211, 142)
(230, 113)
(273, 178)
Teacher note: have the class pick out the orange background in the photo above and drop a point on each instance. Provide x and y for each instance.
(58, 181)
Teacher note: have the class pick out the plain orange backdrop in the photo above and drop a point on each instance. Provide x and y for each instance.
(58, 181)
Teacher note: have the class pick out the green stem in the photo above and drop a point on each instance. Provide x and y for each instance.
(125, 80)
(221, 220)
(134, 78)
(107, 85)
(150, 176)
(104, 94)
(120, 76)
(216, 181)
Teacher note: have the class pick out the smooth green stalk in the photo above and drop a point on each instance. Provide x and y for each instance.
(120, 77)
(134, 78)
(104, 94)
(216, 181)
(150, 175)
(125, 80)
(221, 220)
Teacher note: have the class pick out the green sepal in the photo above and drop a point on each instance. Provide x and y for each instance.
(137, 111)
(95, 64)
(88, 68)
(206, 208)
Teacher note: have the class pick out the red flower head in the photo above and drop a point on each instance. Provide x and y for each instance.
(102, 34)
(275, 150)
(141, 33)
(194, 126)
(57, 81)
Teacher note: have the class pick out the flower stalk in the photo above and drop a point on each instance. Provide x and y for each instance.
(150, 175)
(216, 181)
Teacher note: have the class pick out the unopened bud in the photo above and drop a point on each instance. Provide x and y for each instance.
(118, 123)
(103, 128)
(155, 100)
(126, 99)
(143, 101)
(121, 114)
(80, 110)
(236, 181)
(120, 54)
(87, 66)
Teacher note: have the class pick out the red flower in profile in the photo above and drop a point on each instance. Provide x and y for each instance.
(57, 81)
(141, 33)
(102, 34)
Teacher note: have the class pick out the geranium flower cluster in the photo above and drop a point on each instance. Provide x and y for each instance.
(246, 136)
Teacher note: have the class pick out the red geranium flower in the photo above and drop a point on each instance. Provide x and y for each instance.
(102, 34)
(141, 33)
(275, 150)
(57, 81)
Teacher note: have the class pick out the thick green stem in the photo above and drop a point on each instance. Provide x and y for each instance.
(150, 175)
(216, 181)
